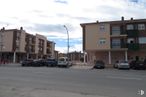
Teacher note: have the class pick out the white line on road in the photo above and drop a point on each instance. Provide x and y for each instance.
(127, 78)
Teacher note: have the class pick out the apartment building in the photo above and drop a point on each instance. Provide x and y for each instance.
(51, 49)
(17, 45)
(75, 56)
(114, 40)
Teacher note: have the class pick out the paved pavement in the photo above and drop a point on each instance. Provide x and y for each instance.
(81, 67)
(10, 65)
(63, 82)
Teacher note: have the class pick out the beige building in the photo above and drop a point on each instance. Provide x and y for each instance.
(114, 40)
(17, 45)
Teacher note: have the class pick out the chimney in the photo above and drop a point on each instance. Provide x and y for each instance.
(3, 28)
(131, 18)
(21, 28)
(122, 18)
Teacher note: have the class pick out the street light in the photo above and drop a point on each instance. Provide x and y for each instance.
(67, 42)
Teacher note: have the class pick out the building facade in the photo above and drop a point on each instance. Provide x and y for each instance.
(75, 56)
(114, 40)
(17, 45)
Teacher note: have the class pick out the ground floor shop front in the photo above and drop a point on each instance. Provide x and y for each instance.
(16, 57)
(111, 56)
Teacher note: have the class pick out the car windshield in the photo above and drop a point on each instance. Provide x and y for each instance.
(50, 59)
(61, 59)
(123, 61)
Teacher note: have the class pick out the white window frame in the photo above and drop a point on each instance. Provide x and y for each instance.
(102, 28)
(102, 41)
(130, 27)
(141, 26)
(129, 40)
(116, 43)
(116, 30)
(142, 40)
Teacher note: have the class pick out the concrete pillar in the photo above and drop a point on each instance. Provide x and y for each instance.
(27, 56)
(84, 58)
(14, 57)
(109, 56)
(126, 58)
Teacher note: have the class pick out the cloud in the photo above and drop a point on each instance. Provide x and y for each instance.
(49, 28)
(61, 1)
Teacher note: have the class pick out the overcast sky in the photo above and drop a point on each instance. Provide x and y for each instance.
(47, 17)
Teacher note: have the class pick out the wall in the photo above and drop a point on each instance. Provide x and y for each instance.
(93, 35)
(7, 41)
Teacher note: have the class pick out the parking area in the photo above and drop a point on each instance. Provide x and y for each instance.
(74, 66)
(72, 82)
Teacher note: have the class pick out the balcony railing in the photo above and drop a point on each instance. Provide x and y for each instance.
(132, 33)
(133, 46)
(119, 46)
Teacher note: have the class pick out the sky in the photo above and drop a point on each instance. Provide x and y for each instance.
(48, 17)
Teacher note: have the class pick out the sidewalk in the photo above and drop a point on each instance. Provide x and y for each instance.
(10, 65)
(81, 65)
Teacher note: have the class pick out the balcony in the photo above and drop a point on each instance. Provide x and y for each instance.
(119, 36)
(133, 46)
(132, 33)
(121, 46)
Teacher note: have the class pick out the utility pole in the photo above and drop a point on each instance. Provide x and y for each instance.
(67, 42)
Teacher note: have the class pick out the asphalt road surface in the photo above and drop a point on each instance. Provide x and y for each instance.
(62, 82)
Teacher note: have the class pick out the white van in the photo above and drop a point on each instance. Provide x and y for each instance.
(64, 61)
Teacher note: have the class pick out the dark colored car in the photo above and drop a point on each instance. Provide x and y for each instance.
(27, 62)
(33, 63)
(51, 62)
(99, 65)
(39, 63)
(138, 65)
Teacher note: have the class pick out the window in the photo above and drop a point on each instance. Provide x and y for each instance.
(116, 30)
(102, 41)
(141, 26)
(142, 40)
(116, 43)
(102, 28)
(130, 27)
(130, 40)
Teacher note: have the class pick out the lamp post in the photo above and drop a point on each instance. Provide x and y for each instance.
(67, 42)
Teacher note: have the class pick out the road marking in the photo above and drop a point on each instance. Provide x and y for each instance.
(127, 78)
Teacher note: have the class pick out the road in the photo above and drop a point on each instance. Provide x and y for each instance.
(62, 82)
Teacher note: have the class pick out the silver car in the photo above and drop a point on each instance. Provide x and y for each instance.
(64, 62)
(123, 65)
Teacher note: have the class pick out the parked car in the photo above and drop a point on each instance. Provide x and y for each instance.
(33, 63)
(27, 62)
(123, 65)
(39, 63)
(99, 65)
(51, 62)
(64, 62)
(138, 65)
